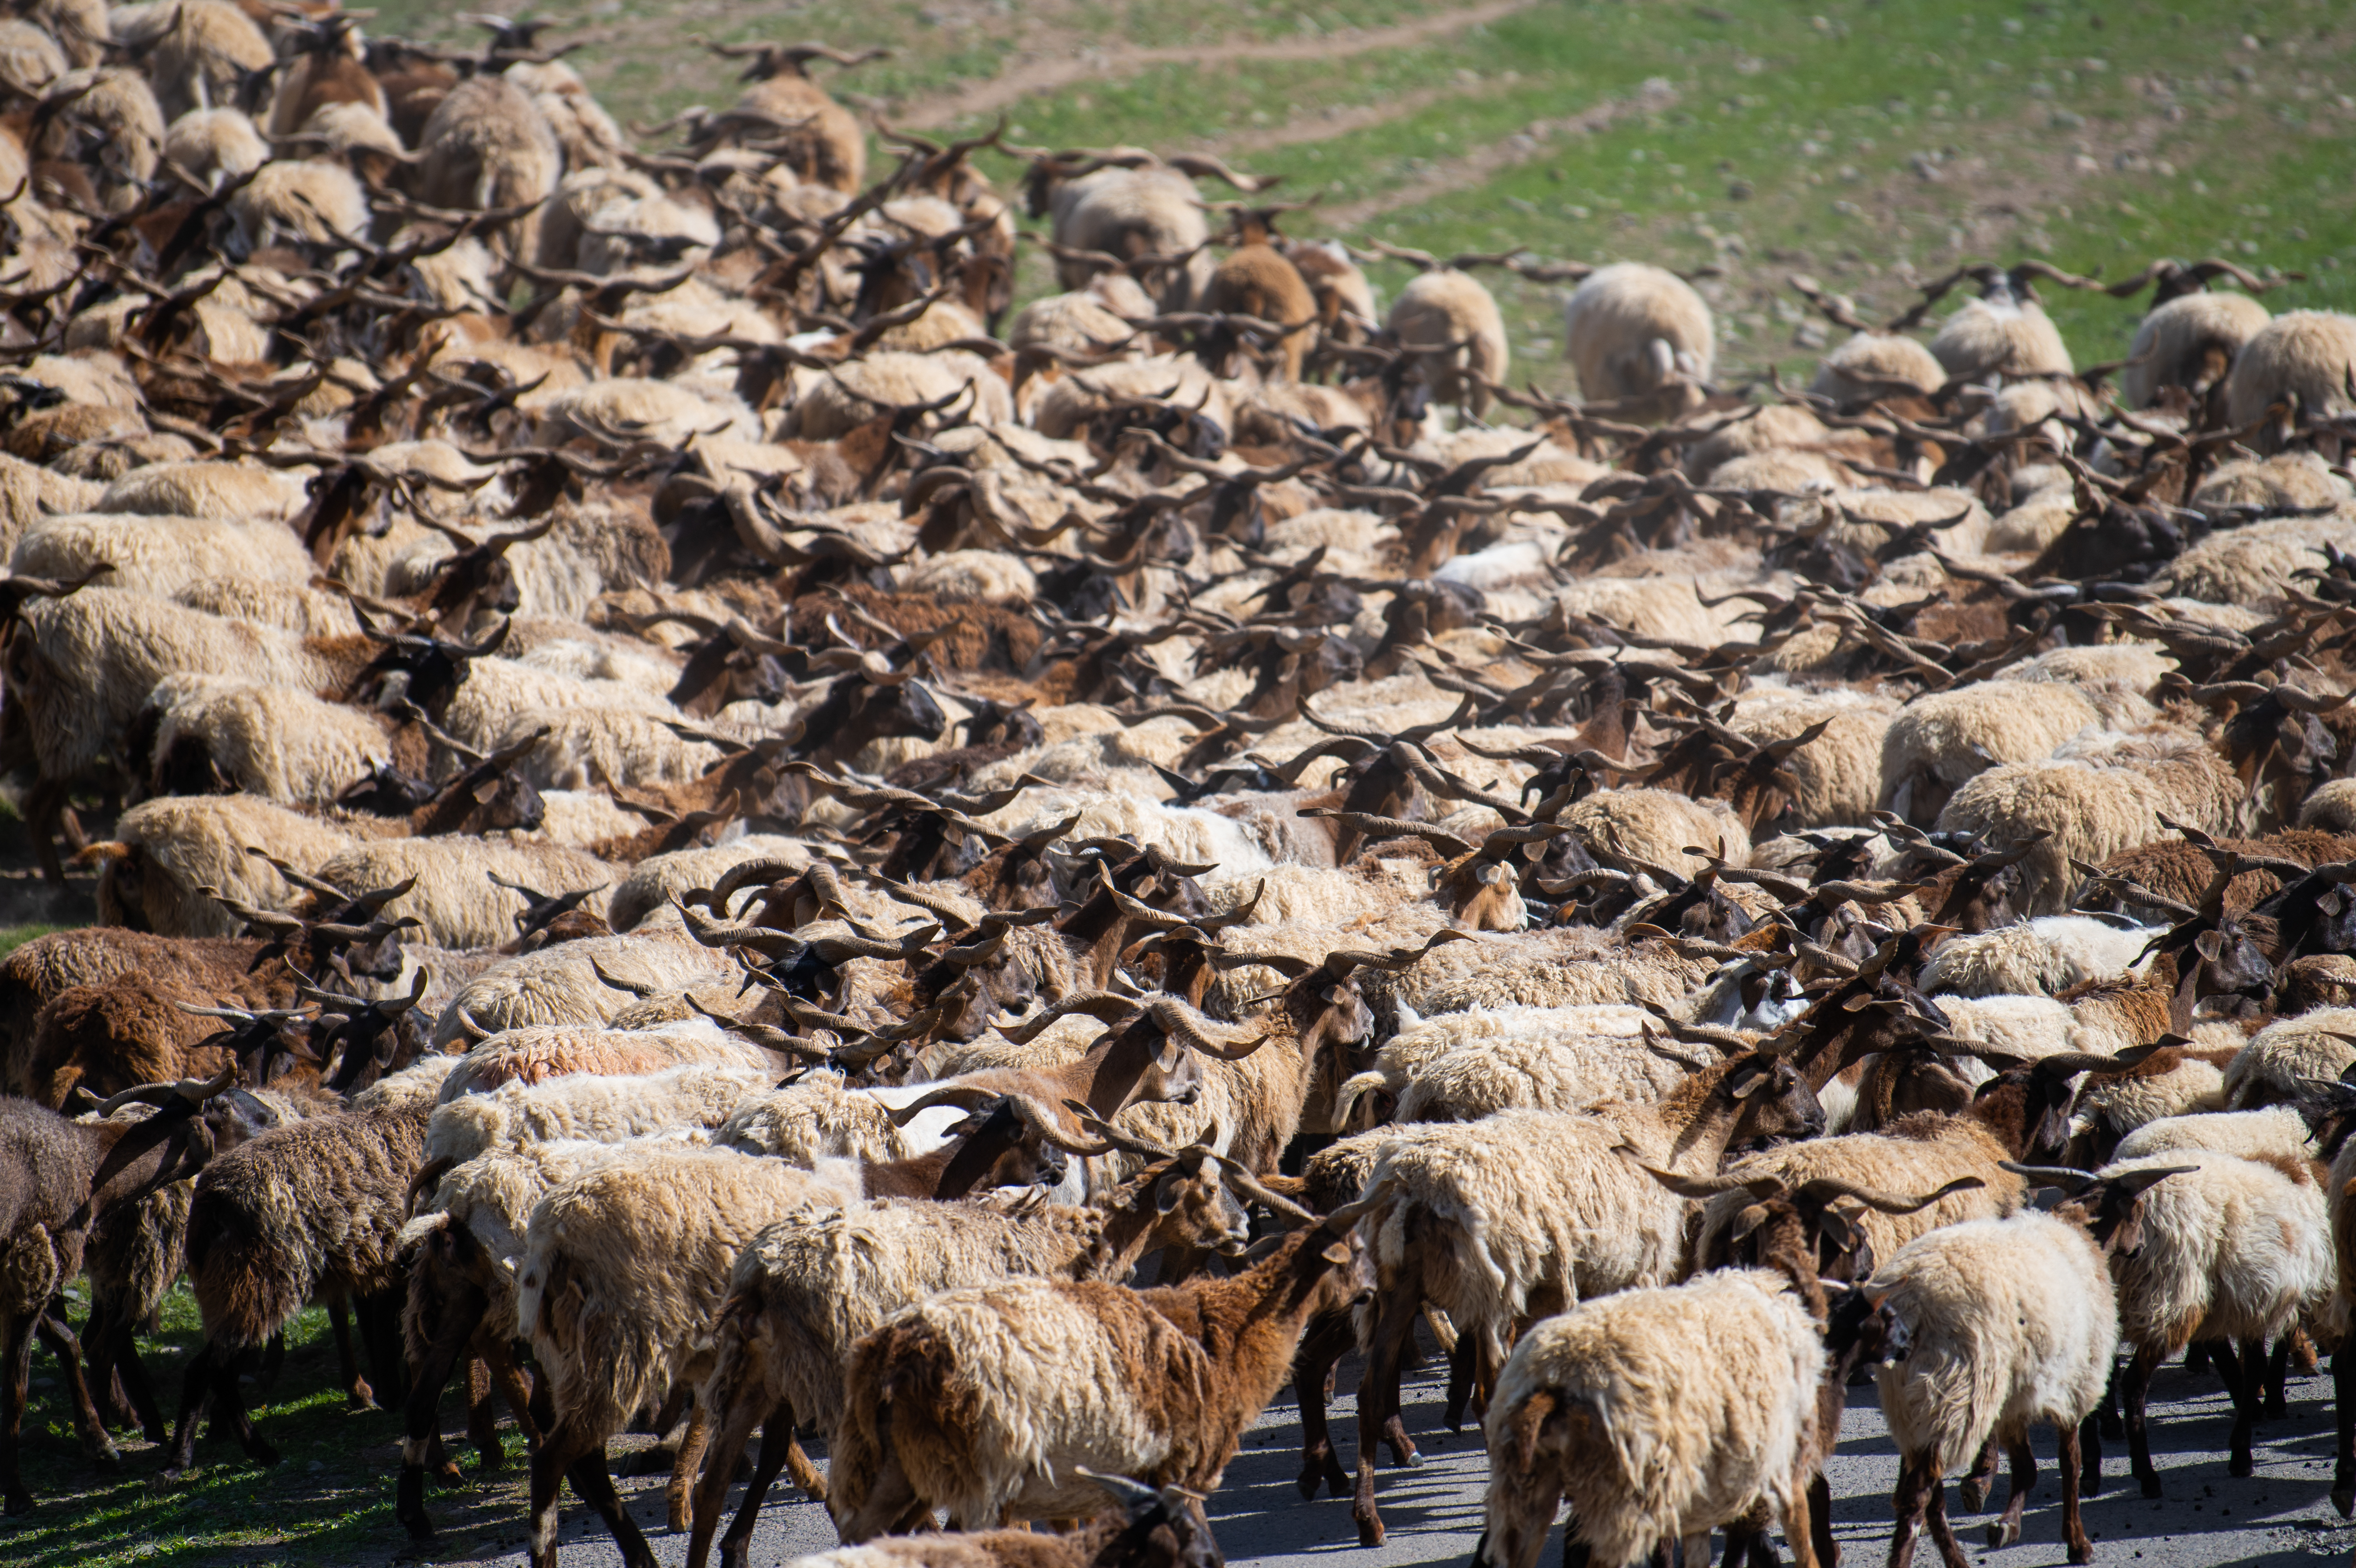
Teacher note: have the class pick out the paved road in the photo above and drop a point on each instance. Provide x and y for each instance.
(2281, 1515)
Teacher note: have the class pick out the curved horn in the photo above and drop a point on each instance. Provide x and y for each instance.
(1042, 1121)
(967, 1096)
(1240, 1176)
(1824, 1188)
(1177, 1021)
(1105, 1007)
(1704, 1186)
(195, 1091)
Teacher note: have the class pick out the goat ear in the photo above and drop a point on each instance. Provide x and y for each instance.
(1336, 1252)
(1747, 1221)
(1748, 1079)
(1165, 1193)
(2210, 944)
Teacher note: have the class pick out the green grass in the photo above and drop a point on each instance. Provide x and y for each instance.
(1870, 142)
(12, 937)
(327, 1501)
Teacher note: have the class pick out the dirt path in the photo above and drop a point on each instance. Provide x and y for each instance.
(1036, 73)
(1477, 168)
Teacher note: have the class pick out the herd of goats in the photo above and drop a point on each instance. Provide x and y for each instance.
(712, 830)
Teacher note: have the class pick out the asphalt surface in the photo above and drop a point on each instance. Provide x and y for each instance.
(2281, 1515)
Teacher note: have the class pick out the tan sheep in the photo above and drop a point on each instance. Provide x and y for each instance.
(2191, 342)
(1877, 364)
(2308, 355)
(1452, 325)
(1631, 330)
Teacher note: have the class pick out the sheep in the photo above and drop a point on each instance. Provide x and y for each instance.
(1875, 364)
(811, 1117)
(1131, 213)
(2256, 565)
(2191, 341)
(1836, 777)
(591, 1106)
(2300, 354)
(1943, 740)
(1451, 326)
(2040, 957)
(537, 1055)
(2008, 1323)
(486, 147)
(209, 53)
(2093, 800)
(2233, 1250)
(156, 554)
(1661, 1413)
(809, 1287)
(1919, 1154)
(61, 1178)
(986, 1400)
(2170, 1083)
(1156, 1529)
(823, 142)
(1642, 829)
(2277, 1132)
(624, 1266)
(449, 894)
(108, 117)
(271, 742)
(2271, 1068)
(300, 202)
(306, 1211)
(215, 146)
(1568, 966)
(1631, 330)
(1500, 1221)
(152, 875)
(2001, 334)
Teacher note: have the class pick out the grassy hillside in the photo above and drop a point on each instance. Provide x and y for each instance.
(1868, 143)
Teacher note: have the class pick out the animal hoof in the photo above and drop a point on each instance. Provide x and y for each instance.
(1370, 1535)
(1309, 1483)
(2151, 1486)
(262, 1453)
(1972, 1494)
(2276, 1409)
(2003, 1533)
(2240, 1465)
(19, 1502)
(2344, 1500)
(2084, 1552)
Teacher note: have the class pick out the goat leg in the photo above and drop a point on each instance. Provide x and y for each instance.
(1971, 1491)
(2006, 1530)
(2247, 1383)
(2138, 1388)
(2089, 1440)
(1916, 1481)
(2073, 1526)
(1820, 1521)
(195, 1402)
(41, 806)
(229, 1405)
(483, 1418)
(421, 1411)
(2343, 1406)
(1391, 1332)
(682, 1468)
(1464, 1369)
(2277, 1406)
(15, 1380)
(1799, 1530)
(378, 1317)
(1329, 1338)
(1942, 1534)
(356, 1391)
(96, 1444)
(734, 1426)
